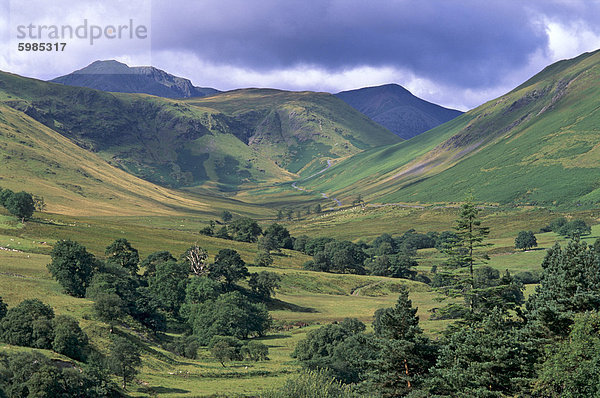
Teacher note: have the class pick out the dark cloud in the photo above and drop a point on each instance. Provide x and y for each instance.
(455, 42)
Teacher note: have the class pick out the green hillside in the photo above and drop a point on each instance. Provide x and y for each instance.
(238, 139)
(75, 181)
(535, 145)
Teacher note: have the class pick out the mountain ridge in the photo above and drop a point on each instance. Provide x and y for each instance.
(114, 76)
(537, 145)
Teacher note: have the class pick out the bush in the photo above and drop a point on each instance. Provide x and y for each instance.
(226, 348)
(311, 384)
(255, 351)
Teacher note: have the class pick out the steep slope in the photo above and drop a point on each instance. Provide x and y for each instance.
(297, 128)
(76, 182)
(397, 109)
(537, 144)
(118, 77)
(222, 142)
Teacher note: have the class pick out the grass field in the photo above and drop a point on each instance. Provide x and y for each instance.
(304, 298)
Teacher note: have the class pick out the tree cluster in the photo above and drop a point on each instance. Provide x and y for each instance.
(547, 346)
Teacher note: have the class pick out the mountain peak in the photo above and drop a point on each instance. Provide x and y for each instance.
(397, 109)
(111, 75)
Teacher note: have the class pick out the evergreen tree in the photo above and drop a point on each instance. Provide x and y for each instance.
(570, 284)
(405, 353)
(571, 367)
(463, 254)
(487, 358)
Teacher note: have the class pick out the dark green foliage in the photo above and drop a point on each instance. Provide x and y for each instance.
(339, 257)
(571, 367)
(72, 266)
(185, 346)
(3, 308)
(69, 339)
(490, 290)
(20, 205)
(313, 246)
(198, 290)
(244, 229)
(318, 349)
(226, 216)
(528, 277)
(395, 266)
(300, 243)
(574, 229)
(28, 324)
(225, 349)
(463, 254)
(488, 358)
(405, 353)
(555, 225)
(279, 235)
(124, 359)
(149, 264)
(311, 384)
(222, 233)
(230, 314)
(209, 230)
(228, 267)
(31, 374)
(263, 258)
(445, 240)
(525, 240)
(570, 284)
(168, 285)
(122, 253)
(145, 309)
(263, 284)
(108, 308)
(5, 195)
(255, 351)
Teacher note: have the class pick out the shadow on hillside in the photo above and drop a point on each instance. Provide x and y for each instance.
(276, 304)
(274, 337)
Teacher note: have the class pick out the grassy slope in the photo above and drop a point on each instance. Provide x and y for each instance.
(243, 138)
(293, 128)
(536, 144)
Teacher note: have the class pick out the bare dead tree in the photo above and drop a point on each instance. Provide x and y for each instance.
(198, 260)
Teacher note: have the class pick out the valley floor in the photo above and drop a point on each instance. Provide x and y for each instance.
(304, 301)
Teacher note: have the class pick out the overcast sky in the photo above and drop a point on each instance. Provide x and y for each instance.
(455, 53)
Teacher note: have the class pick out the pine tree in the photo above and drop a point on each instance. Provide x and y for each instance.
(463, 255)
(405, 353)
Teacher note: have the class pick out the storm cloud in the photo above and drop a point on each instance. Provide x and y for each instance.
(455, 53)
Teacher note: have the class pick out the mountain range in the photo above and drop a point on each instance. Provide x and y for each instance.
(536, 145)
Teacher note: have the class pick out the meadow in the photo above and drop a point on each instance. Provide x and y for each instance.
(305, 299)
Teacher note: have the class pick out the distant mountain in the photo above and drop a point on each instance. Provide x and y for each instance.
(396, 109)
(117, 77)
(536, 145)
